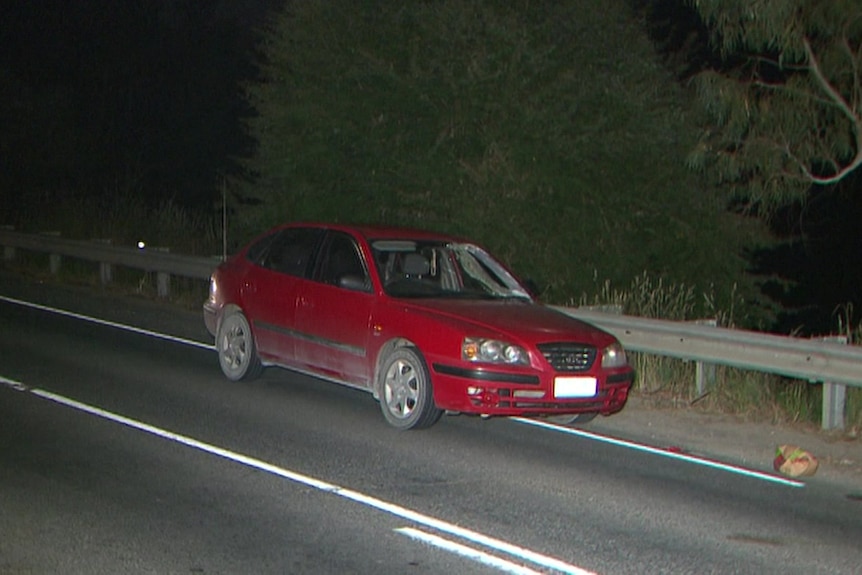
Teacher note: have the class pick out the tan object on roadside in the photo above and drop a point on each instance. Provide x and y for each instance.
(794, 461)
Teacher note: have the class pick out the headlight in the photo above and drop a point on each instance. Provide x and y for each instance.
(614, 356)
(213, 289)
(478, 349)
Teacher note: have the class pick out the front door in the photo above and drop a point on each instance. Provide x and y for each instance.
(333, 313)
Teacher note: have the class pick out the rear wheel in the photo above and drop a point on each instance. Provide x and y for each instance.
(237, 354)
(406, 397)
(572, 419)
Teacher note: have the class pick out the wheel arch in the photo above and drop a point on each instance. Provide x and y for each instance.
(237, 351)
(382, 354)
(232, 308)
(226, 310)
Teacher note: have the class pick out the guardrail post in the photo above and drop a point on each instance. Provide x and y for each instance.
(163, 284)
(704, 373)
(8, 251)
(54, 263)
(834, 397)
(106, 273)
(53, 259)
(163, 279)
(106, 270)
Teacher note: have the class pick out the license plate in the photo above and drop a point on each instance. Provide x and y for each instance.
(575, 386)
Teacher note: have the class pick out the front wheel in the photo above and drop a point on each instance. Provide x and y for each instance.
(572, 419)
(237, 354)
(406, 397)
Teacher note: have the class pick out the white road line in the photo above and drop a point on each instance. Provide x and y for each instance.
(16, 385)
(706, 462)
(465, 551)
(105, 322)
(416, 517)
(534, 422)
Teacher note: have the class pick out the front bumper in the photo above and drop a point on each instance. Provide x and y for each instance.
(488, 392)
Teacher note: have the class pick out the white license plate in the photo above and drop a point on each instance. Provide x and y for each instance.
(574, 386)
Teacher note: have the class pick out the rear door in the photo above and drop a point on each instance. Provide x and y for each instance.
(272, 287)
(334, 310)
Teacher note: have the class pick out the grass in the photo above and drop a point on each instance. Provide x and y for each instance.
(123, 219)
(749, 394)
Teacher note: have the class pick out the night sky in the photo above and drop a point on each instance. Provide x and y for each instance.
(143, 97)
(132, 94)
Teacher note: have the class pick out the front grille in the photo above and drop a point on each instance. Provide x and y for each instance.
(568, 357)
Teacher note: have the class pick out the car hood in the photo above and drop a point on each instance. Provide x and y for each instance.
(515, 319)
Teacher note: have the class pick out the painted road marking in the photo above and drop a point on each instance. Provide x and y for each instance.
(703, 461)
(16, 385)
(107, 323)
(416, 517)
(465, 551)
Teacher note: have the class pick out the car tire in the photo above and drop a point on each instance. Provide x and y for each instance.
(406, 396)
(237, 354)
(572, 419)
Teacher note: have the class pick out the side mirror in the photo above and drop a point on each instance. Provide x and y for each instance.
(353, 282)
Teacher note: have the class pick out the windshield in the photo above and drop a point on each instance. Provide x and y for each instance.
(435, 269)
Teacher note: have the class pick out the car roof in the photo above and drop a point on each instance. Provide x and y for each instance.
(378, 231)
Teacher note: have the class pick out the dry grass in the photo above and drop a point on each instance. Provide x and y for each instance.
(749, 394)
(124, 218)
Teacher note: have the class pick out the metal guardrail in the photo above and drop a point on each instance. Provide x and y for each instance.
(809, 359)
(163, 263)
(829, 362)
(833, 364)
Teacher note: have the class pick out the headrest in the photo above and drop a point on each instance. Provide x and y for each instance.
(415, 265)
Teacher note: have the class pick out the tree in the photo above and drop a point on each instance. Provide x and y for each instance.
(549, 132)
(786, 103)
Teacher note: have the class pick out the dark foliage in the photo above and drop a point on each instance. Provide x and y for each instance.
(817, 267)
(551, 133)
(814, 272)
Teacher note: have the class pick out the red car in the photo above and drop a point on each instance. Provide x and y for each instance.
(426, 322)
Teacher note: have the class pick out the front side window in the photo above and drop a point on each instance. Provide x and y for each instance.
(341, 264)
(436, 269)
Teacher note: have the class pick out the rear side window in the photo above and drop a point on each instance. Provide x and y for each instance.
(290, 251)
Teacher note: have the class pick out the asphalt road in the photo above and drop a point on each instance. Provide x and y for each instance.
(128, 452)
